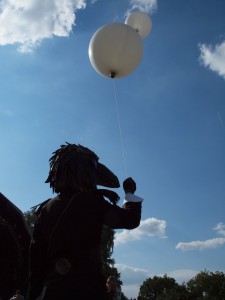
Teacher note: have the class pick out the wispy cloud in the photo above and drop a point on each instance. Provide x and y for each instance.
(208, 244)
(132, 278)
(150, 227)
(213, 57)
(147, 6)
(28, 22)
(132, 275)
(182, 275)
(201, 245)
(220, 228)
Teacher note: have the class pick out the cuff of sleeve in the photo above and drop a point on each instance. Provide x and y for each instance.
(132, 198)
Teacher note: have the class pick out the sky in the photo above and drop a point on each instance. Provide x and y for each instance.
(163, 124)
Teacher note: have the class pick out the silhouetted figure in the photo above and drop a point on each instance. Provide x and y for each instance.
(113, 289)
(65, 260)
(14, 250)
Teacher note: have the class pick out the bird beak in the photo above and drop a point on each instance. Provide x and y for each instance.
(106, 178)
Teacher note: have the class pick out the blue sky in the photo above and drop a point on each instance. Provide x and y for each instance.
(171, 113)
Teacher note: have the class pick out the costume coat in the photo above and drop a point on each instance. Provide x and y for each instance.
(14, 250)
(65, 249)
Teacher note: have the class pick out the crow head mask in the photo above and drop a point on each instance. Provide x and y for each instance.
(77, 168)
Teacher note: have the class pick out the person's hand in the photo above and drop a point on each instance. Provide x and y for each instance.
(129, 185)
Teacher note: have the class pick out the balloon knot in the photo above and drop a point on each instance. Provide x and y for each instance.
(112, 74)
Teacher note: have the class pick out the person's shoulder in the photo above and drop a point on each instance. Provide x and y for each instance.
(52, 201)
(42, 208)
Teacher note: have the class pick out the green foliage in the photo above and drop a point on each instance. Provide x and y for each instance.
(159, 288)
(107, 244)
(30, 219)
(207, 285)
(107, 241)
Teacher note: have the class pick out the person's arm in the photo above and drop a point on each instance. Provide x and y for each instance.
(129, 216)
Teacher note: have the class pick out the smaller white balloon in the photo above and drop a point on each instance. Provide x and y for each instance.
(141, 22)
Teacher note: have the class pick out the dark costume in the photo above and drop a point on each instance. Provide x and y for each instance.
(14, 251)
(65, 249)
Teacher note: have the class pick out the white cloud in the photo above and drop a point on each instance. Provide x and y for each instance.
(201, 245)
(182, 275)
(131, 290)
(132, 275)
(213, 57)
(132, 279)
(147, 6)
(208, 244)
(150, 227)
(220, 228)
(28, 22)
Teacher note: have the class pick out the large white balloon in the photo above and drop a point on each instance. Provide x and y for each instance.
(115, 50)
(140, 22)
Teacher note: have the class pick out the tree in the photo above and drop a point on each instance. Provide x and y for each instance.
(30, 218)
(161, 288)
(207, 285)
(107, 244)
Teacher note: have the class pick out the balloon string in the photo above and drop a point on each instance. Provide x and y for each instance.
(120, 129)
